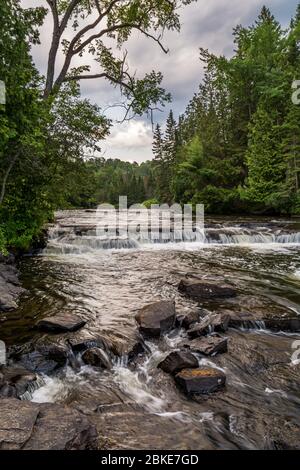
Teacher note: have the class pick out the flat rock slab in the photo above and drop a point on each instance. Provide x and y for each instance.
(31, 426)
(211, 323)
(208, 346)
(200, 381)
(204, 290)
(178, 360)
(64, 322)
(157, 318)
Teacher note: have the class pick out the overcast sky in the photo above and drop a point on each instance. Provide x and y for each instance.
(206, 23)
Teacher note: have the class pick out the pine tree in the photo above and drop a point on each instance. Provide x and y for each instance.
(265, 163)
(170, 140)
(290, 148)
(157, 144)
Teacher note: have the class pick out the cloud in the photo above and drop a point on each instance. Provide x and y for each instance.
(131, 140)
(207, 24)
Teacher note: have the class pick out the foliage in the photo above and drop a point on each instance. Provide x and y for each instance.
(237, 146)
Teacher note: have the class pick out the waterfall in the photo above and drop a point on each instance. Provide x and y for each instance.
(83, 233)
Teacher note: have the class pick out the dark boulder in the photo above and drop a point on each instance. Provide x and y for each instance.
(37, 362)
(178, 360)
(30, 426)
(185, 321)
(208, 346)
(157, 318)
(64, 322)
(204, 290)
(15, 381)
(200, 381)
(97, 357)
(212, 323)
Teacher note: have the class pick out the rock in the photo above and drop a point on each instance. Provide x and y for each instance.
(10, 289)
(211, 323)
(64, 322)
(204, 290)
(97, 357)
(16, 381)
(157, 318)
(209, 346)
(200, 381)
(283, 324)
(30, 426)
(178, 360)
(44, 356)
(185, 321)
(36, 362)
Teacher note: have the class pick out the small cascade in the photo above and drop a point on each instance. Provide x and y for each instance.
(32, 387)
(85, 234)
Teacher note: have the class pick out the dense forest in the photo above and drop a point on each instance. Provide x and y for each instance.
(236, 148)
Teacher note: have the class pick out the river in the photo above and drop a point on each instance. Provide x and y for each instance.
(136, 405)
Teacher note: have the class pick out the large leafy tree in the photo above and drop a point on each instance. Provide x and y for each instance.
(100, 27)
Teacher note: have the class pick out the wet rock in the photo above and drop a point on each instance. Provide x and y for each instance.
(186, 321)
(200, 381)
(204, 290)
(44, 356)
(30, 426)
(208, 346)
(84, 340)
(212, 323)
(10, 289)
(15, 381)
(157, 318)
(36, 362)
(178, 360)
(282, 324)
(97, 357)
(64, 322)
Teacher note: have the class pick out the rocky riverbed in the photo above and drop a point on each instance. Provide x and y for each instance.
(178, 346)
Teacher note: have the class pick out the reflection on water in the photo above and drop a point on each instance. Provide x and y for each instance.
(260, 406)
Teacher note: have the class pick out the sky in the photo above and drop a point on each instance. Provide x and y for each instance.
(207, 24)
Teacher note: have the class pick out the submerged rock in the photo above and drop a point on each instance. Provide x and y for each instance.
(64, 322)
(15, 381)
(208, 346)
(200, 381)
(211, 323)
(97, 357)
(178, 360)
(204, 290)
(157, 318)
(30, 426)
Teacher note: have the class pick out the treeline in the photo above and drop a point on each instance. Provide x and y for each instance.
(102, 181)
(237, 146)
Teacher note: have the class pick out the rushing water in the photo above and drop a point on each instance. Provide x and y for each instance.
(106, 281)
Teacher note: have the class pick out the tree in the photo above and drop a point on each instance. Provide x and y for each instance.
(157, 147)
(93, 23)
(265, 163)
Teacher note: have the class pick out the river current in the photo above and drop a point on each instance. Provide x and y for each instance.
(137, 406)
